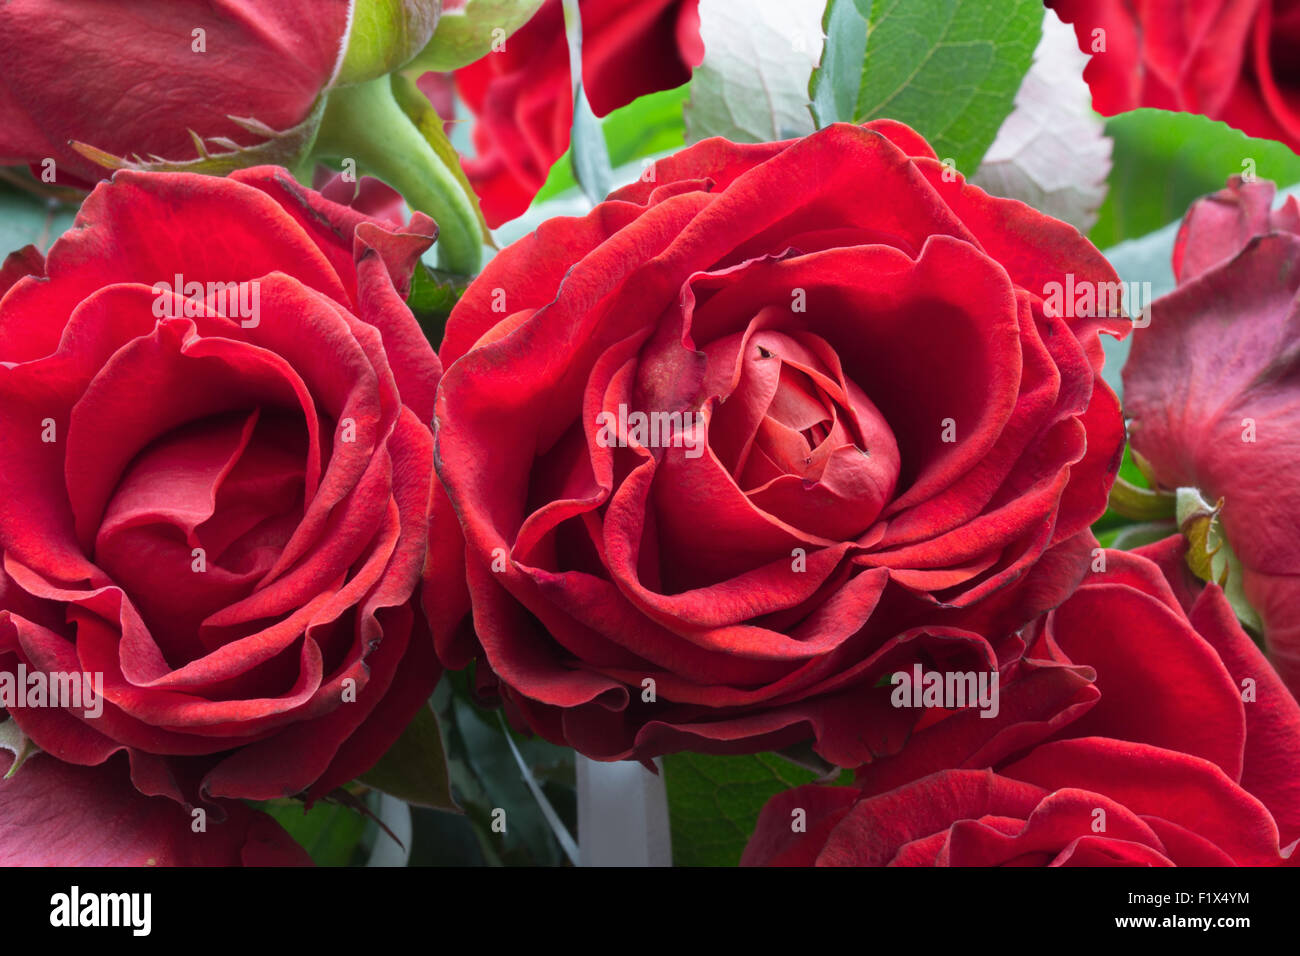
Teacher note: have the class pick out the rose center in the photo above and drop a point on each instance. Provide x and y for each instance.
(800, 439)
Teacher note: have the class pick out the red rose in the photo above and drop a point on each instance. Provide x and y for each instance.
(521, 97)
(1212, 387)
(213, 418)
(715, 445)
(125, 76)
(1231, 60)
(139, 79)
(1186, 752)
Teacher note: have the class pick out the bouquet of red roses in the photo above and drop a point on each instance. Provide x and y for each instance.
(683, 431)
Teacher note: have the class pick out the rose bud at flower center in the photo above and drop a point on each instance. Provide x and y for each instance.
(802, 440)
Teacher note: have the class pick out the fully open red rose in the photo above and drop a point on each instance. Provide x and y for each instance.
(521, 95)
(1231, 60)
(716, 444)
(214, 411)
(1212, 387)
(1187, 751)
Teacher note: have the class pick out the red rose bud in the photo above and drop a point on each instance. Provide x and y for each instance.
(722, 446)
(1230, 60)
(89, 87)
(214, 422)
(135, 79)
(1212, 388)
(1141, 727)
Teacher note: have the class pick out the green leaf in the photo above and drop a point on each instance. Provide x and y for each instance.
(586, 142)
(591, 166)
(1164, 160)
(330, 833)
(475, 30)
(752, 86)
(1051, 152)
(487, 779)
(950, 69)
(434, 294)
(836, 83)
(647, 126)
(415, 768)
(713, 802)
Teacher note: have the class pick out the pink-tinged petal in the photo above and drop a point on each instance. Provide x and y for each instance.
(1275, 597)
(57, 814)
(1211, 388)
(1219, 226)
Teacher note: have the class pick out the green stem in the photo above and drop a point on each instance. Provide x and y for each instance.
(1140, 504)
(366, 124)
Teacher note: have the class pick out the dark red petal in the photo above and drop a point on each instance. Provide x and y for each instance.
(1151, 782)
(816, 810)
(57, 814)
